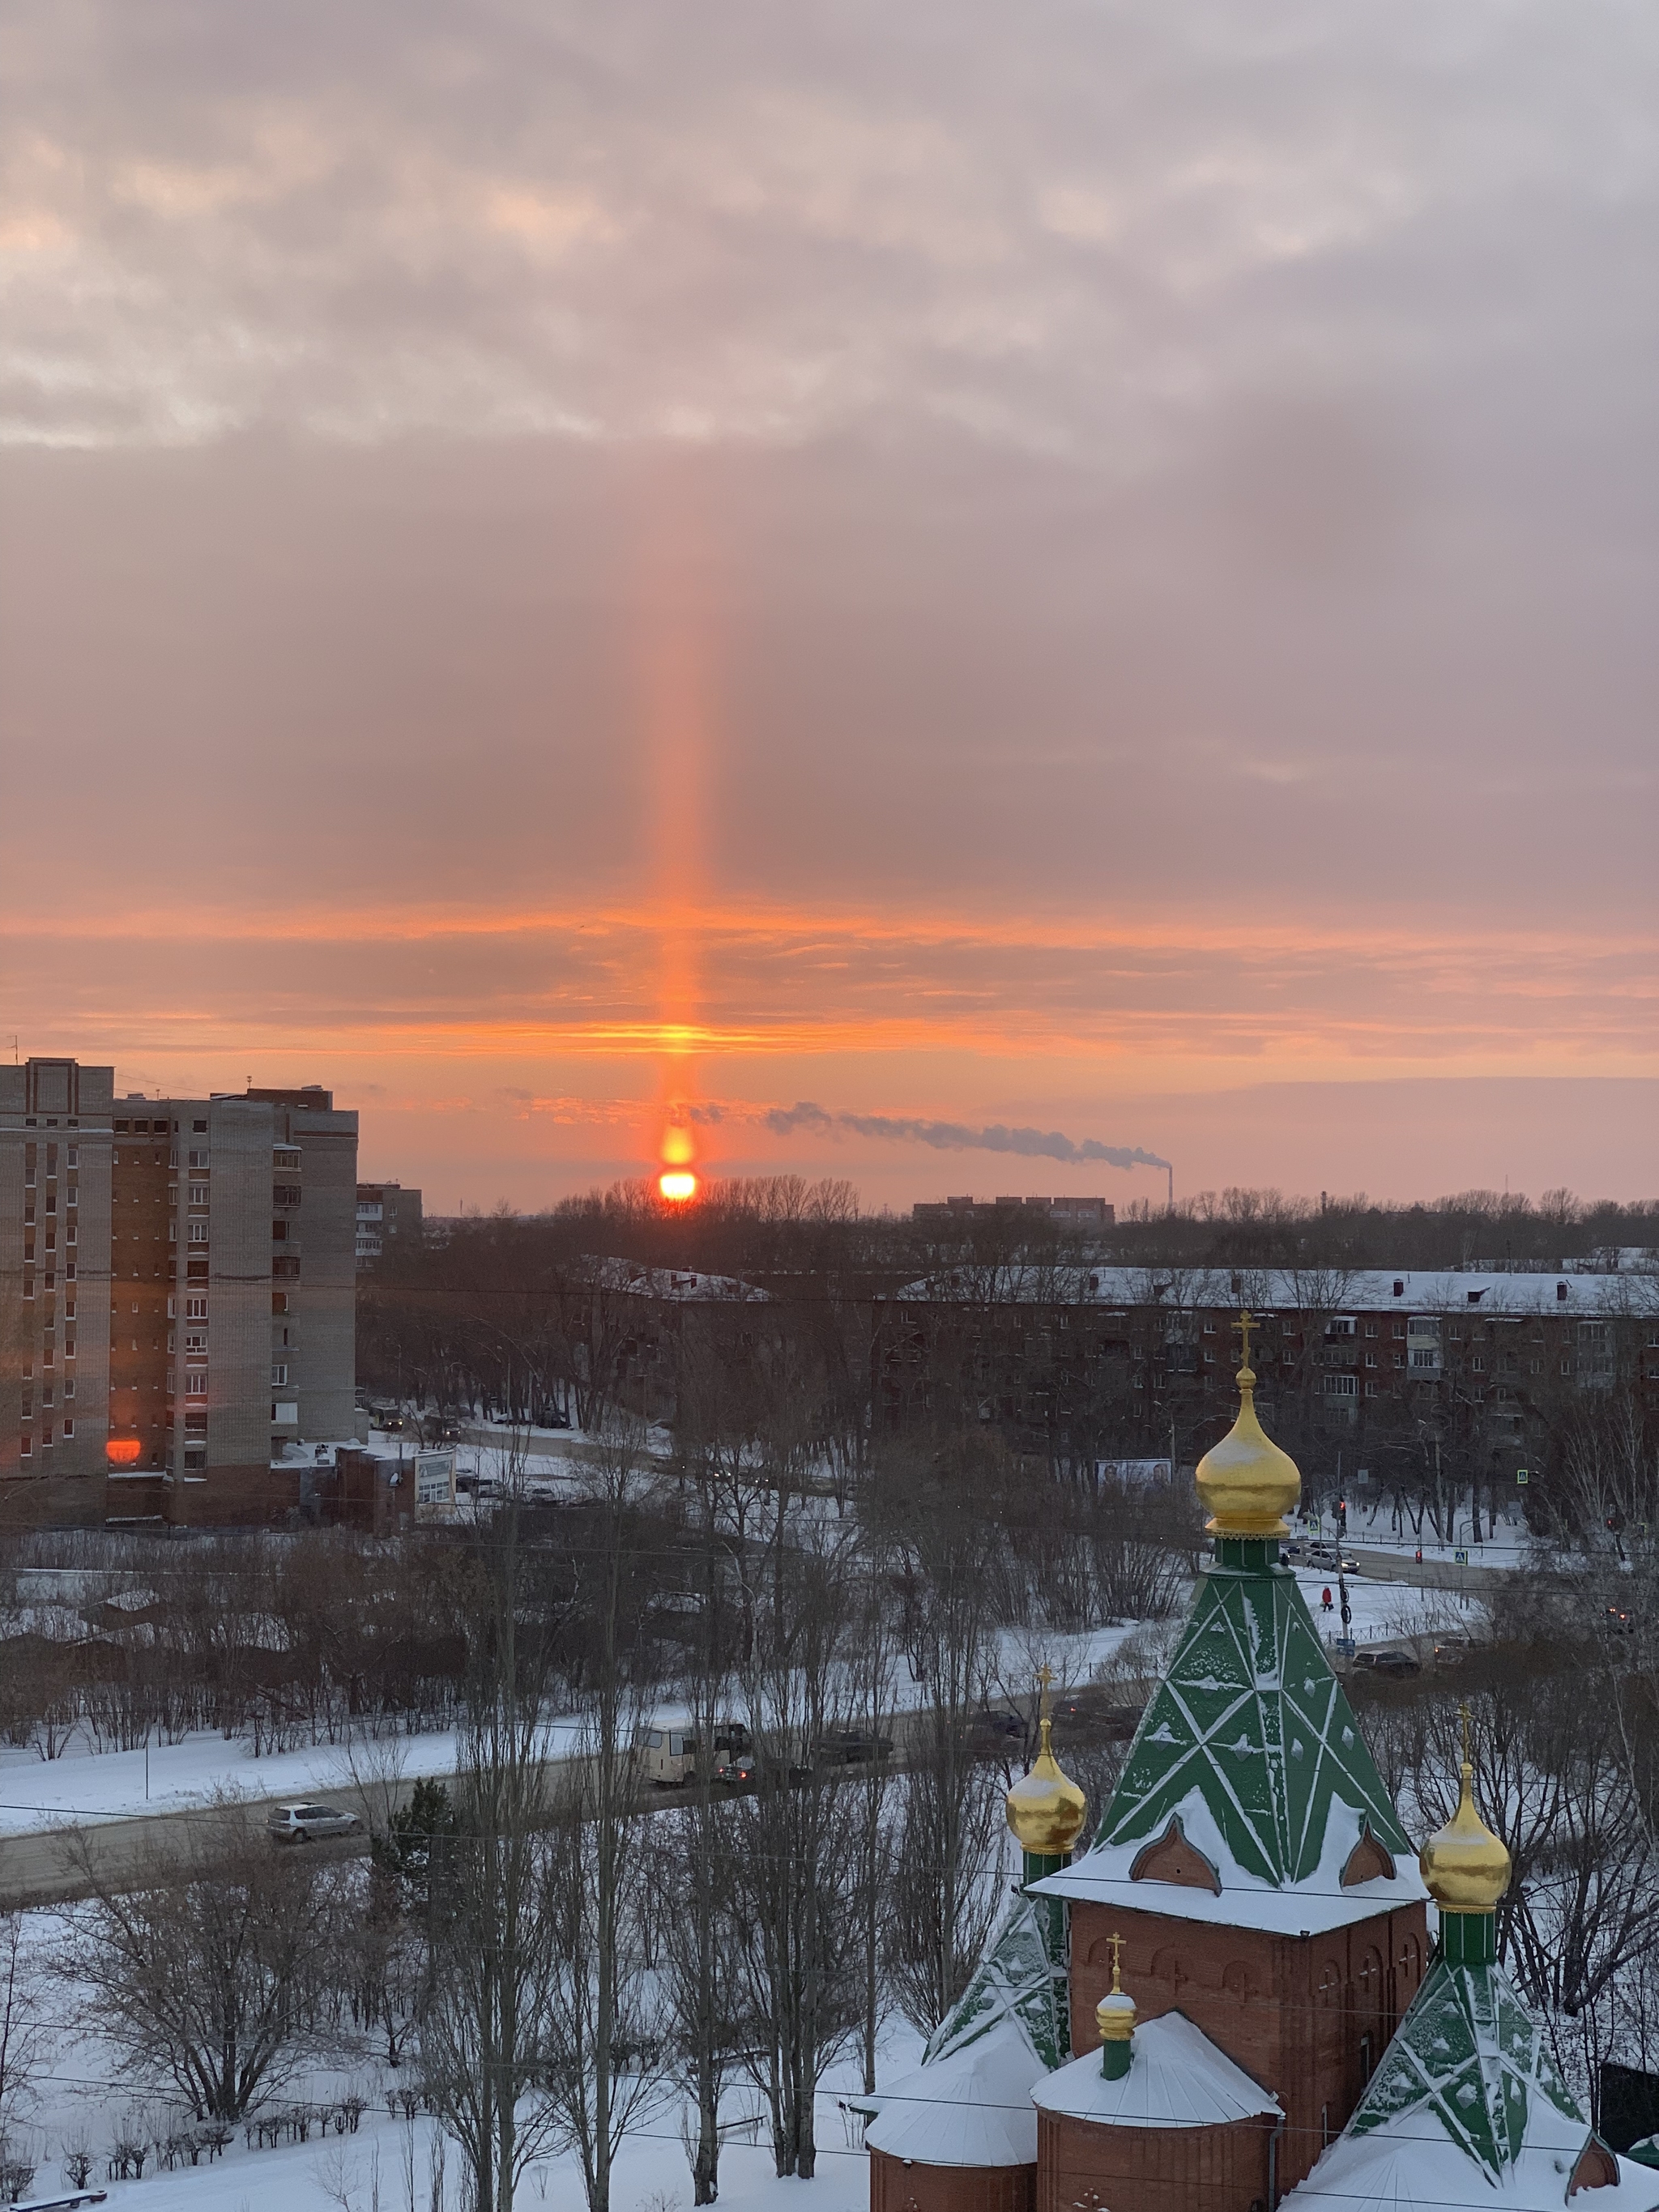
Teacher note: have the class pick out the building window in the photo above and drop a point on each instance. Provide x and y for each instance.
(196, 1384)
(69, 1430)
(196, 1339)
(1371, 1359)
(195, 1308)
(199, 1159)
(197, 1233)
(1341, 1386)
(198, 1193)
(278, 1375)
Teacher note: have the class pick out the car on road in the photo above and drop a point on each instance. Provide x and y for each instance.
(1394, 1666)
(308, 1822)
(1327, 1559)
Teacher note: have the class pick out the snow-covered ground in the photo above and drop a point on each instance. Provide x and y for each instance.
(386, 2165)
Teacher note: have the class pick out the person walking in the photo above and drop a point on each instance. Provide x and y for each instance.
(1325, 1600)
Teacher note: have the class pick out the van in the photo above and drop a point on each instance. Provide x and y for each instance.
(667, 1756)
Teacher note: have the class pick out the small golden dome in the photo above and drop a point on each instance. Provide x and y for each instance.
(1466, 1866)
(1115, 2015)
(1248, 1484)
(1046, 1808)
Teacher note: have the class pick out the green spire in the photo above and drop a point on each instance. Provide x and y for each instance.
(1251, 1716)
(1469, 2056)
(1014, 1978)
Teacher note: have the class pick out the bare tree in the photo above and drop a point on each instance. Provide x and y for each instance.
(796, 1854)
(212, 1970)
(485, 2035)
(25, 2033)
(604, 2059)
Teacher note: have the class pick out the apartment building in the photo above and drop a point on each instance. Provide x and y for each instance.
(1087, 1213)
(1089, 1360)
(55, 1145)
(387, 1214)
(208, 1245)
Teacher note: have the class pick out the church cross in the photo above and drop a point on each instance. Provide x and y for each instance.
(1045, 1679)
(1117, 1962)
(1244, 1324)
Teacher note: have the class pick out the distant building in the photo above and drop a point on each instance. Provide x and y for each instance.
(177, 1278)
(386, 1213)
(1095, 1213)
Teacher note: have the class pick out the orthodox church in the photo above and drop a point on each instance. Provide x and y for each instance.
(1234, 1998)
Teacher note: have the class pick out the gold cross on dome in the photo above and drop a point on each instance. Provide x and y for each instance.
(1463, 1719)
(1045, 1680)
(1244, 1324)
(1117, 1963)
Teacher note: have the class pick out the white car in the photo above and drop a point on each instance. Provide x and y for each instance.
(299, 1824)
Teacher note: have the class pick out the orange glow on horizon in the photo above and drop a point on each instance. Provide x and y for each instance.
(677, 1185)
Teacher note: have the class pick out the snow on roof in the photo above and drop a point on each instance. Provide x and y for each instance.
(1014, 1980)
(1323, 1289)
(1467, 2071)
(970, 2107)
(1250, 1751)
(683, 1286)
(1006, 2031)
(1176, 2079)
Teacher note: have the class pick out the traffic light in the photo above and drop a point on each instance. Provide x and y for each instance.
(1342, 1513)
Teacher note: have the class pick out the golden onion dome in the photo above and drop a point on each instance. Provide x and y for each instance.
(1466, 1866)
(1246, 1483)
(1046, 1808)
(1115, 2015)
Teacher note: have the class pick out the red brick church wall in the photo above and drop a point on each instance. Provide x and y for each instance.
(896, 2185)
(1082, 2167)
(1306, 2016)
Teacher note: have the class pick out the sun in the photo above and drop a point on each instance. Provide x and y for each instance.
(677, 1185)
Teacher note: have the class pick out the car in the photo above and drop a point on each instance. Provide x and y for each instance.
(306, 1821)
(1621, 1620)
(1396, 1666)
(1327, 1559)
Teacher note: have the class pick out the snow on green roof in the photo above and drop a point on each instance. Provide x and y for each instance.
(1014, 1980)
(1251, 1721)
(1469, 2055)
(1467, 2071)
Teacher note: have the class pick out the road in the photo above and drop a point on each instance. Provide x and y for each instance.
(35, 1869)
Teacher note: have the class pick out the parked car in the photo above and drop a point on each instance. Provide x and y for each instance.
(304, 1823)
(1327, 1559)
(1451, 1651)
(667, 1756)
(995, 1731)
(1396, 1666)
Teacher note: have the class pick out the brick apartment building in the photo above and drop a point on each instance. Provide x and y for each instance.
(177, 1295)
(1101, 1360)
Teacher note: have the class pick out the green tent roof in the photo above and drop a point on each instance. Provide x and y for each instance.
(1250, 1718)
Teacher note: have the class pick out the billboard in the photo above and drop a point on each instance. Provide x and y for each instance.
(434, 1481)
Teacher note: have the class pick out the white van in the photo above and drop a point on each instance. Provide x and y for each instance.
(667, 1756)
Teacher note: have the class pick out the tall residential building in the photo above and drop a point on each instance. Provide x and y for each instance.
(213, 1259)
(387, 1214)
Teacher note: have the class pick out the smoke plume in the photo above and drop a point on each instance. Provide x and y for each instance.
(942, 1136)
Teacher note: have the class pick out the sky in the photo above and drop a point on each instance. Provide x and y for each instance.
(1084, 569)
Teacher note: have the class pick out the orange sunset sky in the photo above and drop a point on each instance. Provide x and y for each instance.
(1083, 569)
